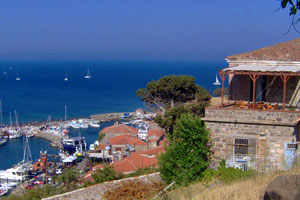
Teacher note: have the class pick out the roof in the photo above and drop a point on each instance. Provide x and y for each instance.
(154, 151)
(119, 128)
(135, 162)
(285, 51)
(263, 68)
(102, 146)
(126, 139)
(156, 132)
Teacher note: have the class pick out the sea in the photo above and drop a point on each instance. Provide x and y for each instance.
(42, 92)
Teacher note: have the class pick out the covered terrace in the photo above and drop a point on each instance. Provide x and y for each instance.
(254, 72)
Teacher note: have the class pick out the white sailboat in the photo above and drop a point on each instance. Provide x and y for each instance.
(88, 74)
(217, 81)
(66, 78)
(18, 78)
(4, 72)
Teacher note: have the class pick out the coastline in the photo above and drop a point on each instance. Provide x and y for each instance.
(55, 140)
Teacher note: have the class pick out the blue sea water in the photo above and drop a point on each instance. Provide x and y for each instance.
(42, 91)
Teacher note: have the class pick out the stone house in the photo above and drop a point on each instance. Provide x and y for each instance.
(123, 145)
(258, 127)
(117, 130)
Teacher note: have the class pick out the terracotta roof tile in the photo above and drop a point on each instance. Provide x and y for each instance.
(285, 51)
(156, 132)
(126, 139)
(154, 151)
(119, 128)
(135, 162)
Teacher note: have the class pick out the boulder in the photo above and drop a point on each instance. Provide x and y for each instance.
(284, 187)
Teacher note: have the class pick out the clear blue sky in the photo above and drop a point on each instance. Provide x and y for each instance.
(139, 29)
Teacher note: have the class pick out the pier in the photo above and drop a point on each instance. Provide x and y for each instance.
(109, 116)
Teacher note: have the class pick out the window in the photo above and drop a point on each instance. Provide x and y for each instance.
(241, 146)
(118, 149)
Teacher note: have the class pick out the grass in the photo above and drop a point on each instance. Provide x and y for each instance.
(250, 188)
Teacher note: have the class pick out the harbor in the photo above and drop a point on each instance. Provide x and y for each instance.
(35, 145)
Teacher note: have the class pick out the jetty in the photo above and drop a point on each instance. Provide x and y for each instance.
(109, 116)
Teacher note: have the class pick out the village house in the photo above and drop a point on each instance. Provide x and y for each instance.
(137, 160)
(117, 130)
(258, 126)
(122, 145)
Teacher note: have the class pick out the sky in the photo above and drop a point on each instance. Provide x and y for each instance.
(139, 29)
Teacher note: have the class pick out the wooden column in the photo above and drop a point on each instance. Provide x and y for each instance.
(253, 77)
(284, 78)
(223, 76)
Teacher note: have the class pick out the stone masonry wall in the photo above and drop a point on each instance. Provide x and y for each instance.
(270, 131)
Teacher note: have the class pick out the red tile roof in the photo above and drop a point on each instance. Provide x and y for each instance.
(126, 139)
(119, 128)
(156, 132)
(135, 162)
(285, 51)
(154, 151)
(101, 146)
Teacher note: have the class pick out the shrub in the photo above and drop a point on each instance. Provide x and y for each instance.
(107, 174)
(187, 153)
(226, 175)
(133, 189)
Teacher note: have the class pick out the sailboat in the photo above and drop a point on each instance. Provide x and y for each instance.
(88, 74)
(217, 81)
(66, 78)
(18, 78)
(4, 72)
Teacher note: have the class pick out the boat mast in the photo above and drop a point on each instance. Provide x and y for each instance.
(1, 114)
(17, 124)
(10, 120)
(65, 112)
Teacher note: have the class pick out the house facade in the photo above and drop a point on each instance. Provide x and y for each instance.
(258, 127)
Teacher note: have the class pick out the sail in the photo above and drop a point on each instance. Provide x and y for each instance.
(217, 81)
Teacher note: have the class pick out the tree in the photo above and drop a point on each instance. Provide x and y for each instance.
(187, 152)
(294, 6)
(107, 174)
(218, 92)
(168, 91)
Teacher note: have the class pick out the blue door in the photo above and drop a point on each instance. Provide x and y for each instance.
(289, 155)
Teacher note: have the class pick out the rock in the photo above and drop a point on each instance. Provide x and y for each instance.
(284, 187)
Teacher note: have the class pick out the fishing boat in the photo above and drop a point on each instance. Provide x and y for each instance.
(88, 74)
(66, 78)
(18, 78)
(75, 144)
(3, 192)
(16, 173)
(94, 124)
(217, 81)
(126, 115)
(3, 140)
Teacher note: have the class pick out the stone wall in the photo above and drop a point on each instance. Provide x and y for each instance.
(269, 129)
(95, 192)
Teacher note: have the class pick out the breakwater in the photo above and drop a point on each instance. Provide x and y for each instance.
(108, 116)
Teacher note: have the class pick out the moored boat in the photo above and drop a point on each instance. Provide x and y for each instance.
(3, 140)
(3, 192)
(74, 144)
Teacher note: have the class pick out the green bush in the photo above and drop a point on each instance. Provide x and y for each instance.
(107, 174)
(187, 153)
(226, 175)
